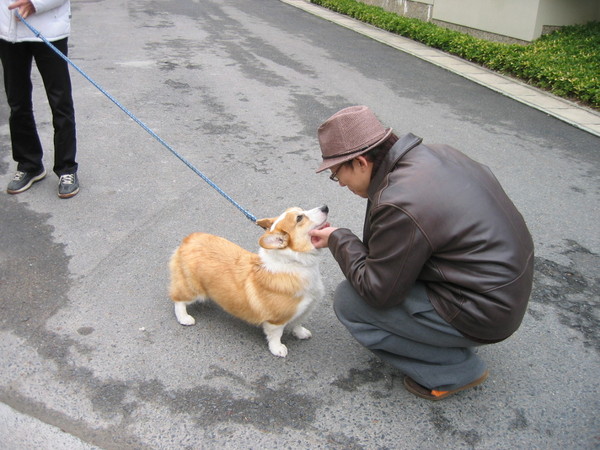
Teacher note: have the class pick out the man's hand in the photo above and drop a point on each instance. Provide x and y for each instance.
(25, 7)
(320, 238)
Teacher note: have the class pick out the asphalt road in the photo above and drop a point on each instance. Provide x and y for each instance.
(90, 352)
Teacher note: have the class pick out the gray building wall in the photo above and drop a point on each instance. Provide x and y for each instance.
(519, 21)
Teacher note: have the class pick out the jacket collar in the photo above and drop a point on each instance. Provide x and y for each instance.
(400, 148)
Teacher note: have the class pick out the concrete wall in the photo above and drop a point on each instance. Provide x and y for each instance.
(557, 13)
(501, 20)
(421, 10)
(512, 18)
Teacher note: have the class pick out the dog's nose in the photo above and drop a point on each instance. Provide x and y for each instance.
(325, 209)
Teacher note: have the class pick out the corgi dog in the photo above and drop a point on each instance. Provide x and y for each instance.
(272, 288)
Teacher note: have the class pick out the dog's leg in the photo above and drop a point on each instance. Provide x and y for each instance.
(181, 313)
(274, 333)
(301, 333)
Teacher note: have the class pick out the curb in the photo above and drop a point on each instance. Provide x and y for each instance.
(578, 116)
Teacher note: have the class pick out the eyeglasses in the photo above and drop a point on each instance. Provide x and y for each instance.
(333, 176)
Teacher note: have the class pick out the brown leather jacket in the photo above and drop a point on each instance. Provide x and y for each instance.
(437, 216)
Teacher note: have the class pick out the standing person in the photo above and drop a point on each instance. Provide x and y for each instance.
(18, 48)
(446, 260)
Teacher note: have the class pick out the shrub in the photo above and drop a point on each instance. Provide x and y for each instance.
(565, 62)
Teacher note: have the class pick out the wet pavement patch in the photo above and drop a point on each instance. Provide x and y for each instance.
(443, 425)
(266, 408)
(376, 372)
(520, 422)
(34, 278)
(573, 289)
(85, 331)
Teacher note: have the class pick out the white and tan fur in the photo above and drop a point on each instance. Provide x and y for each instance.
(274, 288)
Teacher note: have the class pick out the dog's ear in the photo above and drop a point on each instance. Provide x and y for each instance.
(272, 241)
(265, 223)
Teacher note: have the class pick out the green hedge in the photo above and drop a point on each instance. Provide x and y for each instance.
(565, 62)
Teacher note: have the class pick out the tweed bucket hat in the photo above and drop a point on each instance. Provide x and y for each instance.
(348, 133)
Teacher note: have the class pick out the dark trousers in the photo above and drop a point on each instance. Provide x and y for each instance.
(412, 337)
(27, 150)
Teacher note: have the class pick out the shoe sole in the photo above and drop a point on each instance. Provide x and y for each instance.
(414, 388)
(28, 185)
(70, 194)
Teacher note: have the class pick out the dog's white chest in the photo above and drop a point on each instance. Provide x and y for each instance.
(314, 290)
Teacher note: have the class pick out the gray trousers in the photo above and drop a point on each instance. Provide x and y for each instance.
(411, 337)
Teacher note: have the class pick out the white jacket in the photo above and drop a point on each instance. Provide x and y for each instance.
(52, 19)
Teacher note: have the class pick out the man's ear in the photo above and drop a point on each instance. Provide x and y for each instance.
(265, 223)
(272, 241)
(362, 161)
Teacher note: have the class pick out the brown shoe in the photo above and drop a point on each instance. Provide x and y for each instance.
(431, 394)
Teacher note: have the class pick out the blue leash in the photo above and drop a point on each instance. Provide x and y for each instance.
(138, 121)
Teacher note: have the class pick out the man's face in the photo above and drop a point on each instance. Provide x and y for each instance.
(355, 175)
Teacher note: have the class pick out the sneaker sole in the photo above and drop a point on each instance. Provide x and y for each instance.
(28, 185)
(70, 194)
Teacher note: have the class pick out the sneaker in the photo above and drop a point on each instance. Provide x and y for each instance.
(23, 181)
(68, 185)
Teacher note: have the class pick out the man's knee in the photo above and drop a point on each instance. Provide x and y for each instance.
(346, 301)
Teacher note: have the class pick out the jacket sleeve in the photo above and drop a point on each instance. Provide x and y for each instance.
(384, 269)
(46, 5)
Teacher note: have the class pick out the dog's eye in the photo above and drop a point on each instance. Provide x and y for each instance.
(299, 218)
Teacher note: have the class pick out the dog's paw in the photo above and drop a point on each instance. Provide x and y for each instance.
(278, 350)
(186, 320)
(301, 333)
(181, 313)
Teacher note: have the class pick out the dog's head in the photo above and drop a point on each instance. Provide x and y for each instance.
(290, 229)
